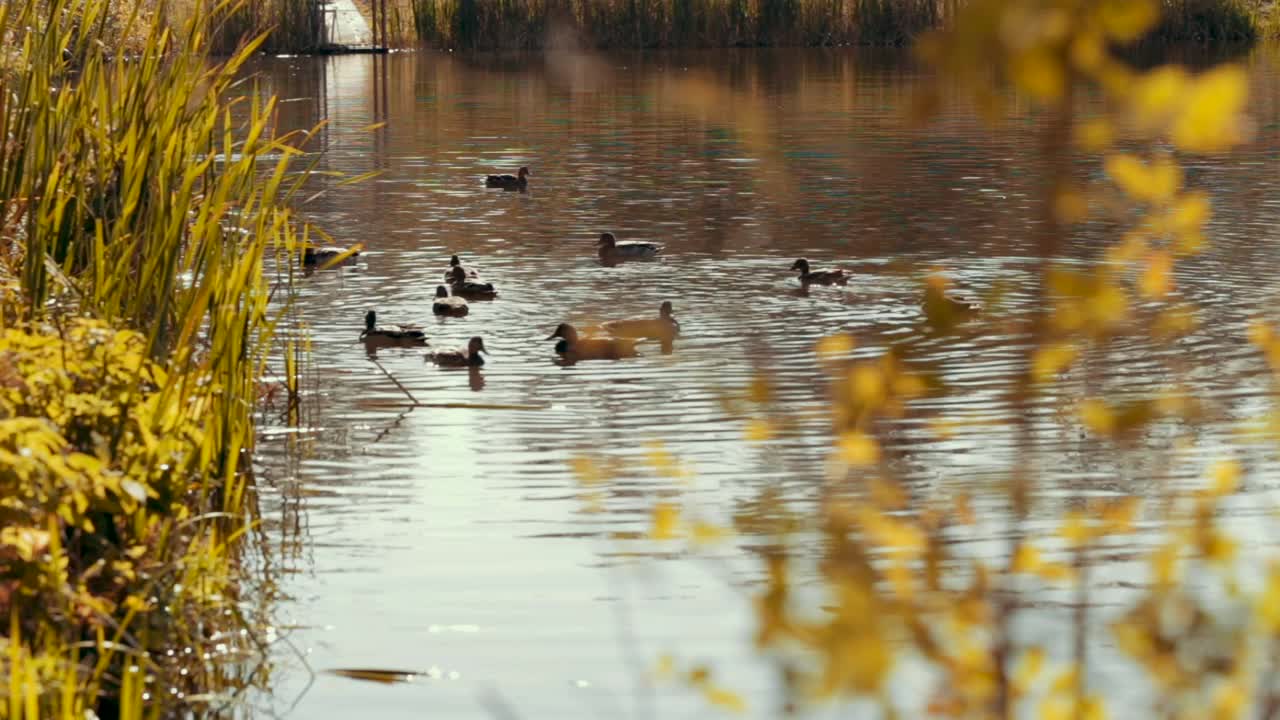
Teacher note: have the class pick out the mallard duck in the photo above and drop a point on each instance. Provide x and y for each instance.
(409, 334)
(509, 182)
(462, 357)
(455, 262)
(819, 277)
(446, 305)
(573, 347)
(312, 255)
(611, 250)
(470, 288)
(609, 245)
(664, 327)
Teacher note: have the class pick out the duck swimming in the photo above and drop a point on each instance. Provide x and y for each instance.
(312, 255)
(819, 277)
(664, 327)
(509, 182)
(406, 334)
(469, 288)
(575, 348)
(462, 357)
(611, 250)
(444, 304)
(455, 262)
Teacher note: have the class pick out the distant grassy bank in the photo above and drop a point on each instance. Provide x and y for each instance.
(295, 26)
(537, 24)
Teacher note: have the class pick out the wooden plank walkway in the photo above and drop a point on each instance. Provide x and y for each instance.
(345, 28)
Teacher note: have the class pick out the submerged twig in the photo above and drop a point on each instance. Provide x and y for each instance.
(393, 379)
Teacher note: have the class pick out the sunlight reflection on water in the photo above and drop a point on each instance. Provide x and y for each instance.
(404, 525)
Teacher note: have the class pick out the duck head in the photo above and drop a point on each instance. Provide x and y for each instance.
(454, 261)
(475, 346)
(607, 241)
(442, 291)
(802, 265)
(664, 311)
(524, 173)
(370, 321)
(565, 331)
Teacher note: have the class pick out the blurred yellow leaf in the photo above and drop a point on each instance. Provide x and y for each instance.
(835, 346)
(726, 699)
(1229, 700)
(868, 385)
(1026, 559)
(1260, 333)
(1126, 20)
(664, 522)
(587, 470)
(1094, 135)
(1055, 572)
(758, 430)
(1038, 72)
(1051, 360)
(1157, 278)
(1269, 602)
(1156, 94)
(1075, 529)
(859, 449)
(1088, 51)
(1131, 246)
(1157, 181)
(1225, 477)
(1097, 416)
(1210, 117)
(665, 667)
(1190, 212)
(1066, 681)
(1164, 565)
(663, 462)
(759, 391)
(706, 533)
(1119, 514)
(1029, 667)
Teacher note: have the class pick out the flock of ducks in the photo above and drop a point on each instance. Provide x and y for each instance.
(615, 340)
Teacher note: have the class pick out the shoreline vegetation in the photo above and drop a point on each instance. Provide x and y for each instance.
(679, 24)
(139, 204)
(293, 26)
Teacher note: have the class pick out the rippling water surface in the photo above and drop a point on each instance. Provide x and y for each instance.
(452, 538)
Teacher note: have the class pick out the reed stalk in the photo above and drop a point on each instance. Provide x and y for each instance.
(139, 202)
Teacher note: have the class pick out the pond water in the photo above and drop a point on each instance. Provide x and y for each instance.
(453, 539)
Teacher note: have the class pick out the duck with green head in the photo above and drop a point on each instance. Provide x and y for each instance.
(573, 347)
(461, 357)
(664, 327)
(405, 334)
(313, 256)
(809, 276)
(519, 181)
(455, 262)
(611, 250)
(446, 304)
(469, 288)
